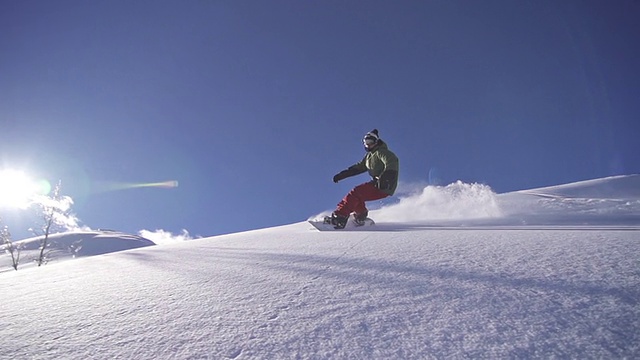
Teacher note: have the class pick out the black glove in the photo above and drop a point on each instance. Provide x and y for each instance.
(353, 170)
(340, 176)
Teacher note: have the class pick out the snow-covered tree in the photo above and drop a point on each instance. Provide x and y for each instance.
(55, 211)
(9, 246)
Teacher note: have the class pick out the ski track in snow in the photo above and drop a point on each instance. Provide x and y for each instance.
(543, 284)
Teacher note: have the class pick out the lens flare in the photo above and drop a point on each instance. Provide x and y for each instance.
(43, 187)
(114, 186)
(164, 184)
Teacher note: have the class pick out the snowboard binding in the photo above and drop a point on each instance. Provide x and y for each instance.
(338, 221)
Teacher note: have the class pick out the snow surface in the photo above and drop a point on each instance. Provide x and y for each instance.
(449, 272)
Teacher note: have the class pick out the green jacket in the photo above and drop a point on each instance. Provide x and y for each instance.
(382, 165)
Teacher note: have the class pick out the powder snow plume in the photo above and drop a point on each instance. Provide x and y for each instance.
(62, 216)
(455, 201)
(160, 236)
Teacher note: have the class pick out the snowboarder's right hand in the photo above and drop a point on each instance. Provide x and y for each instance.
(340, 176)
(353, 170)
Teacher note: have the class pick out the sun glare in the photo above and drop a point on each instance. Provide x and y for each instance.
(16, 189)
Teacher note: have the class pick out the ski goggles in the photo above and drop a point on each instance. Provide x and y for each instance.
(369, 141)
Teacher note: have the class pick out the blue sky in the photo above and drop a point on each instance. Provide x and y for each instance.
(253, 106)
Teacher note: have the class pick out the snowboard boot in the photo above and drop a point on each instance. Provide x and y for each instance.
(359, 219)
(338, 221)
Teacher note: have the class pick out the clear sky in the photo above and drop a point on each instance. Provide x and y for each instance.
(253, 106)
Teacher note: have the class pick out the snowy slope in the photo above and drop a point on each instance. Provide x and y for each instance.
(496, 282)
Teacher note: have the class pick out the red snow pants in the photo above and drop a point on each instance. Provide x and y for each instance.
(354, 201)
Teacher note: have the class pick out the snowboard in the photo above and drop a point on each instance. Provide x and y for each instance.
(322, 225)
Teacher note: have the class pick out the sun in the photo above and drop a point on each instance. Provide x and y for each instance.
(16, 189)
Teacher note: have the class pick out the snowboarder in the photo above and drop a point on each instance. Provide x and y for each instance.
(382, 165)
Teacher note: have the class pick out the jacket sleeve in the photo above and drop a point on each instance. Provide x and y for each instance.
(353, 170)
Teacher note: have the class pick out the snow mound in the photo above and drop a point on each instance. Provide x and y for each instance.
(607, 201)
(74, 244)
(614, 187)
